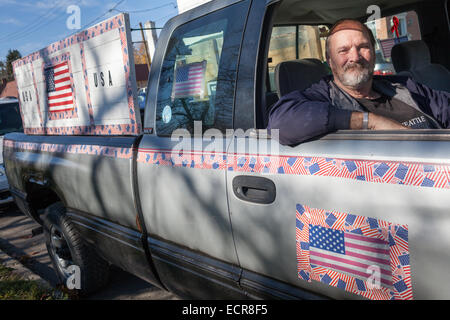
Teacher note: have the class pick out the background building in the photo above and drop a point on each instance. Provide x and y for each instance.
(185, 5)
(8, 89)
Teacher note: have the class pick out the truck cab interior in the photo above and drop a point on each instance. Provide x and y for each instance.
(292, 55)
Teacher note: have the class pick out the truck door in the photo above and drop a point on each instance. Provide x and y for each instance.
(181, 184)
(354, 214)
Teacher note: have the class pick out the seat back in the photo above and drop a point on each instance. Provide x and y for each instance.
(412, 58)
(298, 75)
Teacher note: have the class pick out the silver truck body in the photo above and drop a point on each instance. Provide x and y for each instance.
(186, 227)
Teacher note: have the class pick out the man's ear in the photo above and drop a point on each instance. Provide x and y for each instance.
(327, 57)
(330, 64)
(327, 52)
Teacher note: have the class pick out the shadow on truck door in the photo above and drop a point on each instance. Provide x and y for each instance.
(181, 186)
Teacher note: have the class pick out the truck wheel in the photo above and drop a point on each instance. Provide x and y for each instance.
(67, 249)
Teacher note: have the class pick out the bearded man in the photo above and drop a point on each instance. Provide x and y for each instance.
(352, 98)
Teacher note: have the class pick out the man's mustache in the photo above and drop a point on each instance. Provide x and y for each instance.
(360, 65)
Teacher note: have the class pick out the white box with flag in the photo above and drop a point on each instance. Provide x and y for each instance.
(82, 85)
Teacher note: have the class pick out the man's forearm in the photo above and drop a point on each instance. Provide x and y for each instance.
(299, 119)
(376, 122)
(356, 121)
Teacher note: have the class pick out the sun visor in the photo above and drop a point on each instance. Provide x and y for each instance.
(82, 85)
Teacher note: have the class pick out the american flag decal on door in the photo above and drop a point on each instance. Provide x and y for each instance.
(365, 256)
(59, 87)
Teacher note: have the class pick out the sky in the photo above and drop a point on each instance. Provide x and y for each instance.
(29, 26)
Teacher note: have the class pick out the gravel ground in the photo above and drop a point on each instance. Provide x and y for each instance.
(17, 241)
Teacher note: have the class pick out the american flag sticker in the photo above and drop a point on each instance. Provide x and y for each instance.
(59, 87)
(189, 80)
(365, 256)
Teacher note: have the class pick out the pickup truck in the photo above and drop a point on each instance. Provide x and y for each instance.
(203, 202)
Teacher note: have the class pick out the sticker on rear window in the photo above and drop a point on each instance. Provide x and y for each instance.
(167, 114)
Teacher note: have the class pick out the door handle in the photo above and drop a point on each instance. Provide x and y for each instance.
(254, 189)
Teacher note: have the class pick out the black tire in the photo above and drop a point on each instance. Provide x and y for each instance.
(66, 247)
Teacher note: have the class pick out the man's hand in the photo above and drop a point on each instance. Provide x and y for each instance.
(376, 122)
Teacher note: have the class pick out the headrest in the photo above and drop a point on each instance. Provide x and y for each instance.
(410, 55)
(298, 75)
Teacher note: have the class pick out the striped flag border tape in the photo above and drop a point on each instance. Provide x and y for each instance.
(396, 235)
(389, 172)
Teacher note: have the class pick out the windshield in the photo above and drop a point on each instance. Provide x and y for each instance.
(10, 120)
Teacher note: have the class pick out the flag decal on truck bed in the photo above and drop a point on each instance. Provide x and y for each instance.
(59, 87)
(365, 256)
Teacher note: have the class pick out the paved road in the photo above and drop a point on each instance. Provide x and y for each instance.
(16, 239)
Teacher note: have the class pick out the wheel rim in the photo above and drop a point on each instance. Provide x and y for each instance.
(61, 251)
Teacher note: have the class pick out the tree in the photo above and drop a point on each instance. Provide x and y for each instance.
(140, 56)
(10, 57)
(3, 74)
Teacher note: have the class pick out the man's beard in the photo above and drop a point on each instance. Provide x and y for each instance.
(356, 74)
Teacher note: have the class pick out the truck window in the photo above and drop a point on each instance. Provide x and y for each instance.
(291, 40)
(293, 43)
(306, 41)
(10, 119)
(198, 74)
(408, 29)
